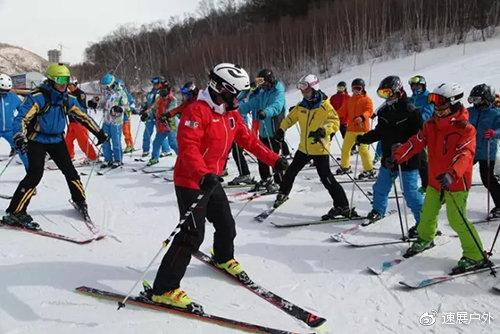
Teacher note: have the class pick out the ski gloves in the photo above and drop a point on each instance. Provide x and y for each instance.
(445, 180)
(281, 164)
(279, 135)
(102, 137)
(208, 182)
(319, 134)
(20, 142)
(489, 134)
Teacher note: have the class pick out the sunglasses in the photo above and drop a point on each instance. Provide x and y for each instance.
(340, 88)
(415, 80)
(437, 100)
(302, 85)
(385, 93)
(475, 99)
(356, 88)
(61, 80)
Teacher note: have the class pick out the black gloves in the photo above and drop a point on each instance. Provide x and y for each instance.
(279, 135)
(319, 134)
(102, 137)
(445, 180)
(261, 115)
(92, 104)
(165, 117)
(391, 163)
(281, 164)
(208, 182)
(20, 142)
(358, 140)
(144, 116)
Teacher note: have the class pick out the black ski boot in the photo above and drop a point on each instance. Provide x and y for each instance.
(494, 213)
(22, 219)
(367, 175)
(280, 199)
(340, 212)
(342, 170)
(83, 208)
(412, 232)
(371, 218)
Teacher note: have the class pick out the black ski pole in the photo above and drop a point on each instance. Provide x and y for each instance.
(165, 243)
(8, 163)
(490, 264)
(403, 236)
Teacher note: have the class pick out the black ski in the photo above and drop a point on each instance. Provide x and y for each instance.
(5, 196)
(49, 234)
(142, 301)
(295, 311)
(317, 222)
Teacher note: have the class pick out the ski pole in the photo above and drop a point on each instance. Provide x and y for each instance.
(135, 137)
(404, 201)
(165, 243)
(490, 253)
(403, 237)
(93, 165)
(488, 181)
(493, 272)
(271, 147)
(8, 163)
(352, 179)
(354, 184)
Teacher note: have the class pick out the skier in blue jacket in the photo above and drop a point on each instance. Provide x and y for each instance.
(268, 106)
(485, 117)
(9, 102)
(419, 99)
(39, 129)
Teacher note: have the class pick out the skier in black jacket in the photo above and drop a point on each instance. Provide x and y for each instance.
(398, 120)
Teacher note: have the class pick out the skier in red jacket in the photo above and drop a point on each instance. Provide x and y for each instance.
(206, 133)
(451, 143)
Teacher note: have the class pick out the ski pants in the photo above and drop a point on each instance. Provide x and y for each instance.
(215, 208)
(343, 129)
(149, 128)
(112, 149)
(455, 201)
(81, 134)
(240, 160)
(36, 158)
(127, 134)
(8, 136)
(162, 137)
(264, 170)
(489, 180)
(384, 184)
(349, 141)
(322, 164)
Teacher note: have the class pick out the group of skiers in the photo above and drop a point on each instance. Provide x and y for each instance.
(427, 129)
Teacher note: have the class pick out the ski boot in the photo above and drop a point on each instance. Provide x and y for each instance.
(272, 188)
(233, 268)
(418, 247)
(176, 298)
(494, 213)
(342, 170)
(261, 185)
(152, 162)
(412, 232)
(116, 164)
(144, 154)
(466, 264)
(106, 164)
(241, 180)
(166, 154)
(339, 212)
(280, 199)
(83, 208)
(371, 218)
(128, 149)
(367, 174)
(21, 219)
(225, 173)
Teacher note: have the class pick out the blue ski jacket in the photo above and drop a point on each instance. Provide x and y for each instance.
(483, 120)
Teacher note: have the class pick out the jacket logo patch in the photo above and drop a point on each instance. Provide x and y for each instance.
(191, 124)
(232, 123)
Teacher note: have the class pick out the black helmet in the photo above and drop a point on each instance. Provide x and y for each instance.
(481, 93)
(267, 75)
(358, 82)
(417, 80)
(390, 86)
(341, 84)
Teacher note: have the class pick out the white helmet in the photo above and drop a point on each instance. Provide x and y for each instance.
(73, 80)
(452, 91)
(309, 80)
(232, 77)
(5, 82)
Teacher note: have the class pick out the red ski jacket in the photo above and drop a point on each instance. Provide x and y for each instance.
(337, 101)
(205, 137)
(451, 145)
(161, 107)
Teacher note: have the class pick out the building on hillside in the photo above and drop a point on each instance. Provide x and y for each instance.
(28, 80)
(54, 56)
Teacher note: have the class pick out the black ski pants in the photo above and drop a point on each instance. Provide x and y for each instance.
(240, 160)
(489, 180)
(264, 170)
(36, 162)
(215, 208)
(322, 164)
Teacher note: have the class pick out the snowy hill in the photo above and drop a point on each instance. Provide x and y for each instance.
(38, 275)
(14, 59)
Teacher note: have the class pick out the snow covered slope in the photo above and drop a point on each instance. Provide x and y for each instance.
(38, 275)
(14, 59)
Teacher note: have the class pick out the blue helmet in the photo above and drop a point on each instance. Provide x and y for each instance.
(157, 80)
(108, 79)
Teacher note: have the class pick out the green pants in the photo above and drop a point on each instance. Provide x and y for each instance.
(429, 217)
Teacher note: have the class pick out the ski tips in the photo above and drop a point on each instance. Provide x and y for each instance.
(120, 305)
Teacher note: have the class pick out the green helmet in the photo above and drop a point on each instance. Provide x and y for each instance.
(58, 73)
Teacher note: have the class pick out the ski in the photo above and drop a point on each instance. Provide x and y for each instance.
(357, 181)
(88, 222)
(317, 222)
(5, 196)
(264, 214)
(295, 311)
(233, 186)
(422, 283)
(165, 178)
(338, 237)
(377, 243)
(106, 170)
(49, 234)
(142, 301)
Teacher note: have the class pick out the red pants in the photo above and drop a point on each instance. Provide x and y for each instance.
(127, 134)
(80, 133)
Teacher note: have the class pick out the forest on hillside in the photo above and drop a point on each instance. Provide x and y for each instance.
(289, 36)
